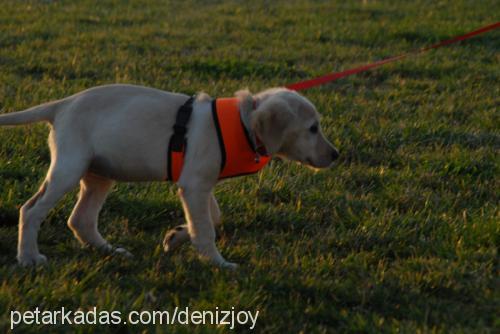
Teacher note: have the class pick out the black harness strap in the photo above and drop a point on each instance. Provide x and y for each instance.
(178, 141)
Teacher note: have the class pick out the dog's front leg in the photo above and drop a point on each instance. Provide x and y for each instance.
(200, 227)
(177, 236)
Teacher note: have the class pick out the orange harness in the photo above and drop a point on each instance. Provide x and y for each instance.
(238, 154)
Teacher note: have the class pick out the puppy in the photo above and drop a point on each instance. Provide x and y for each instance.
(121, 133)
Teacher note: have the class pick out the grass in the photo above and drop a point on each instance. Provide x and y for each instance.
(401, 236)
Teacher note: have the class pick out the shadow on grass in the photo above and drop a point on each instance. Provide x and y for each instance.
(144, 214)
(9, 216)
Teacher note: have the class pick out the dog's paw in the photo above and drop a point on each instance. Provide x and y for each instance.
(174, 238)
(32, 260)
(122, 252)
(229, 265)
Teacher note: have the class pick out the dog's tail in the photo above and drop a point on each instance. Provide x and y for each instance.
(44, 112)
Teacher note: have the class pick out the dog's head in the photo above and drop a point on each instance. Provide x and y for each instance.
(289, 126)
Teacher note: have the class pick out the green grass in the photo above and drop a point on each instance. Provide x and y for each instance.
(401, 236)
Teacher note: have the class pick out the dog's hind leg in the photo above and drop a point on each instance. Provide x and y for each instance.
(179, 235)
(84, 218)
(62, 177)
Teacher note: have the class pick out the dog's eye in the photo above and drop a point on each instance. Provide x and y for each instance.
(314, 128)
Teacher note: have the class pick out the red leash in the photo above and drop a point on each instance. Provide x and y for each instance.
(334, 76)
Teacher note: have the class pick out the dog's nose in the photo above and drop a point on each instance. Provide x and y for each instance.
(335, 155)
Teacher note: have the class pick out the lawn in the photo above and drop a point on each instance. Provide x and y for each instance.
(401, 235)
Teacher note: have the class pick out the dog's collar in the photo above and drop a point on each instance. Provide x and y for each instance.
(260, 149)
(255, 142)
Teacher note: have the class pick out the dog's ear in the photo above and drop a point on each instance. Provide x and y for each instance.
(270, 122)
(246, 105)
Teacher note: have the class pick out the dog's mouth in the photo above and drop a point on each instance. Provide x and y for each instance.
(308, 162)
